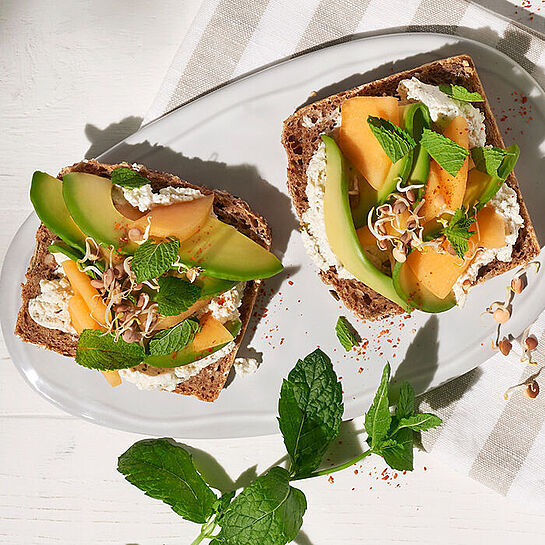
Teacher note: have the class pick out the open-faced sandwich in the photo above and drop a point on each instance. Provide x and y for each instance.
(143, 276)
(406, 192)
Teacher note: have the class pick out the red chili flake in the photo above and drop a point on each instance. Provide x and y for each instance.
(290, 282)
(356, 471)
(425, 468)
(330, 480)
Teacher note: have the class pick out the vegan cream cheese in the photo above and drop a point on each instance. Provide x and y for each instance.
(444, 109)
(50, 308)
(506, 204)
(145, 199)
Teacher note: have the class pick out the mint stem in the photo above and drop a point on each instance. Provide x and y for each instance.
(329, 470)
(206, 532)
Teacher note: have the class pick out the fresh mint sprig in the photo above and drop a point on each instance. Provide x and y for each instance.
(152, 259)
(129, 178)
(174, 338)
(460, 93)
(446, 152)
(175, 295)
(270, 511)
(100, 350)
(457, 231)
(491, 160)
(395, 142)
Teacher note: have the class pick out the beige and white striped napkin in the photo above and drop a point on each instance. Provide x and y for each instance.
(499, 443)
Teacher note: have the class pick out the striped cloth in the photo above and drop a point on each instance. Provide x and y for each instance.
(496, 442)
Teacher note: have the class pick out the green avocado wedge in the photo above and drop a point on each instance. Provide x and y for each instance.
(89, 200)
(491, 184)
(225, 253)
(187, 355)
(211, 287)
(46, 195)
(340, 230)
(417, 296)
(398, 173)
(59, 247)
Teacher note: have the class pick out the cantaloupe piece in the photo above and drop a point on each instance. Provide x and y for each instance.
(165, 322)
(81, 319)
(438, 272)
(358, 143)
(443, 191)
(369, 245)
(212, 333)
(81, 284)
(490, 229)
(181, 220)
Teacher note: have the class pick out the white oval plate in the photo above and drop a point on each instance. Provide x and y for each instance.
(230, 139)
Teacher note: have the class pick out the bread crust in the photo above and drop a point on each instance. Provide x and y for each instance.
(301, 141)
(209, 382)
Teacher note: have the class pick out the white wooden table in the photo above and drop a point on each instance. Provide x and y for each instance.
(74, 76)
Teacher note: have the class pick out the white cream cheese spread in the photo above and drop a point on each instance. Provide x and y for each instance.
(144, 198)
(50, 308)
(506, 204)
(444, 109)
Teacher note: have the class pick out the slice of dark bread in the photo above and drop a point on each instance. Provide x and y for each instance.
(209, 382)
(301, 139)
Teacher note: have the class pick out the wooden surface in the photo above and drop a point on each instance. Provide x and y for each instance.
(75, 78)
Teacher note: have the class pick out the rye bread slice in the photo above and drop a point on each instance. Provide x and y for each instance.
(301, 137)
(209, 382)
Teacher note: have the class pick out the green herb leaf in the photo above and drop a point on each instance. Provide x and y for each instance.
(405, 404)
(166, 472)
(489, 160)
(458, 233)
(378, 418)
(99, 350)
(310, 411)
(419, 422)
(151, 260)
(346, 334)
(175, 295)
(395, 142)
(268, 512)
(174, 338)
(399, 455)
(460, 93)
(446, 152)
(126, 177)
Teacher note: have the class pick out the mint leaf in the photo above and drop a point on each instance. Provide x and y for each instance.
(458, 233)
(268, 512)
(99, 350)
(175, 295)
(405, 404)
(173, 339)
(490, 160)
(310, 411)
(400, 455)
(166, 472)
(126, 177)
(395, 142)
(151, 260)
(378, 418)
(460, 93)
(419, 422)
(446, 152)
(346, 334)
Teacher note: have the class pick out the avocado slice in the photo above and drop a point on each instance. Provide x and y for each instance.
(89, 200)
(59, 247)
(340, 229)
(187, 355)
(398, 173)
(211, 287)
(367, 198)
(493, 183)
(46, 195)
(418, 297)
(417, 118)
(225, 253)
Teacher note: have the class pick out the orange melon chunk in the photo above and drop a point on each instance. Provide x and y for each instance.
(165, 322)
(81, 319)
(81, 284)
(212, 333)
(443, 191)
(438, 272)
(490, 229)
(358, 143)
(181, 220)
